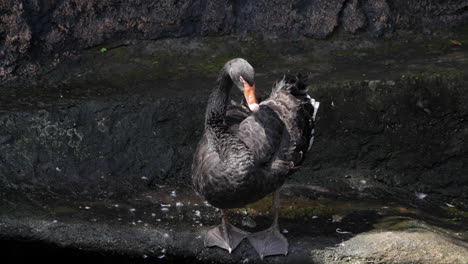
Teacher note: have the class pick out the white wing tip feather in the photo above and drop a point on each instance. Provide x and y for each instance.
(316, 105)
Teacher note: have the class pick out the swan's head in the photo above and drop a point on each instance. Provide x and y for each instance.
(243, 76)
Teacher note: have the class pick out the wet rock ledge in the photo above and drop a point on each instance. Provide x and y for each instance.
(90, 153)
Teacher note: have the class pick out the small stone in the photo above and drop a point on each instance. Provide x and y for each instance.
(249, 222)
(336, 218)
(373, 84)
(197, 213)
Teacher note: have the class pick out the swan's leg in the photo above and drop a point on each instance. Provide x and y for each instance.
(225, 235)
(270, 241)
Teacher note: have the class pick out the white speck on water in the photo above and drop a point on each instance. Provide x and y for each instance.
(173, 194)
(338, 230)
(244, 212)
(285, 231)
(362, 181)
(139, 221)
(55, 221)
(145, 224)
(144, 178)
(207, 204)
(163, 250)
(166, 235)
(216, 209)
(145, 256)
(332, 103)
(58, 169)
(420, 195)
(197, 213)
(164, 209)
(119, 219)
(133, 223)
(195, 204)
(179, 204)
(153, 214)
(315, 217)
(165, 205)
(159, 220)
(132, 210)
(116, 205)
(245, 260)
(162, 256)
(87, 207)
(198, 237)
(449, 205)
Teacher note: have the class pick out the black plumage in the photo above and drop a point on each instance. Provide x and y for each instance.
(243, 155)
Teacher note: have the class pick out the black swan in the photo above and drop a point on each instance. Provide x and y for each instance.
(246, 153)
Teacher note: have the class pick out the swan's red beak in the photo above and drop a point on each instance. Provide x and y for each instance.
(249, 94)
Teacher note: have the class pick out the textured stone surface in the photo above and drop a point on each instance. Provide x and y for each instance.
(36, 33)
(319, 229)
(100, 127)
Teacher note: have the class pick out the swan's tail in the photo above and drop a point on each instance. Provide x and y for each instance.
(297, 86)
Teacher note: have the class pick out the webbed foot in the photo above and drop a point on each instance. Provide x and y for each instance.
(269, 242)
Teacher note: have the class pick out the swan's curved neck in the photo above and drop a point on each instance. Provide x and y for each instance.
(217, 103)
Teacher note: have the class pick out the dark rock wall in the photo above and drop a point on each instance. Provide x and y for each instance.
(410, 134)
(33, 31)
(100, 147)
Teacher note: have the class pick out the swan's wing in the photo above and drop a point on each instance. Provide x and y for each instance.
(205, 165)
(235, 114)
(262, 132)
